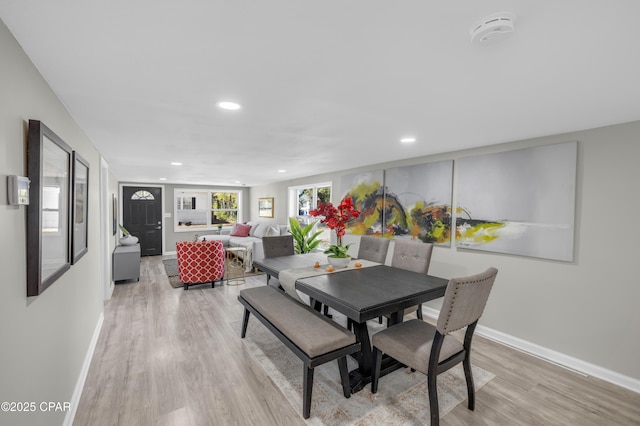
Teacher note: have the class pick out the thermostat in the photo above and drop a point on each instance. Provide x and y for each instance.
(18, 190)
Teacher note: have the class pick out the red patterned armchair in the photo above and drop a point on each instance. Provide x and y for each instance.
(200, 262)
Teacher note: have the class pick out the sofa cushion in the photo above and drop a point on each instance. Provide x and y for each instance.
(241, 230)
(259, 230)
(272, 232)
(283, 229)
(224, 238)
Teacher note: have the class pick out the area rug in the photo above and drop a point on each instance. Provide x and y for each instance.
(402, 397)
(171, 268)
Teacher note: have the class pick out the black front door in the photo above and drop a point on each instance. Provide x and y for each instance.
(142, 216)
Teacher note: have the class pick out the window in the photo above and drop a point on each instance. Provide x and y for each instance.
(206, 209)
(304, 198)
(50, 209)
(142, 195)
(308, 197)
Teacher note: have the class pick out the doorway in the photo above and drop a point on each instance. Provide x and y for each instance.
(142, 217)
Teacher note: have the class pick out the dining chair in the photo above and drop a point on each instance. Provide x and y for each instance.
(276, 246)
(412, 256)
(373, 249)
(432, 349)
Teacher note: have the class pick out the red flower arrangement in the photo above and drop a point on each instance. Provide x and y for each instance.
(336, 219)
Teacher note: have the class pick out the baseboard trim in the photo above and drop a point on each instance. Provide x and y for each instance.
(77, 391)
(551, 356)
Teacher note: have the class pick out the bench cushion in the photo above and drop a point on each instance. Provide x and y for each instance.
(313, 333)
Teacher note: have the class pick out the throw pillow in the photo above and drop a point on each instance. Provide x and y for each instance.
(259, 230)
(283, 229)
(241, 230)
(272, 232)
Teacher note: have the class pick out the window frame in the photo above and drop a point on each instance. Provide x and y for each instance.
(208, 192)
(325, 237)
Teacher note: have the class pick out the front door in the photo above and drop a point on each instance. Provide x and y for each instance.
(142, 216)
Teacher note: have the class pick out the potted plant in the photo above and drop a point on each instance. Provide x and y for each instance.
(336, 219)
(127, 239)
(302, 241)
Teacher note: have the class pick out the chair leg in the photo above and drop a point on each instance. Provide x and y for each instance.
(419, 311)
(326, 312)
(245, 322)
(268, 278)
(344, 376)
(377, 363)
(471, 394)
(307, 387)
(186, 286)
(432, 385)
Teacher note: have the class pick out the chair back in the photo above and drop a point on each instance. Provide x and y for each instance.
(464, 300)
(412, 256)
(278, 246)
(373, 249)
(200, 262)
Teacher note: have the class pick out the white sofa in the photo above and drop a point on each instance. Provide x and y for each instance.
(253, 242)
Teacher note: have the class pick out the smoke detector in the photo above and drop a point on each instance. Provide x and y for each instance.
(493, 28)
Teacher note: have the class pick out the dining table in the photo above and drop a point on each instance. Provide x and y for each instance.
(360, 294)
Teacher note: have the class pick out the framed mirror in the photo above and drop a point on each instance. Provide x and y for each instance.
(49, 210)
(80, 206)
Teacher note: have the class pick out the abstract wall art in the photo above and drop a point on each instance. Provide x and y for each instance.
(367, 192)
(518, 202)
(418, 202)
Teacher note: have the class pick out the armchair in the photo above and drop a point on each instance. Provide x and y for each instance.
(200, 262)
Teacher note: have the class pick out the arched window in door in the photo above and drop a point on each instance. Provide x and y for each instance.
(142, 195)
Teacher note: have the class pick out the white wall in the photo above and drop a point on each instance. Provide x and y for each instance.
(588, 309)
(43, 339)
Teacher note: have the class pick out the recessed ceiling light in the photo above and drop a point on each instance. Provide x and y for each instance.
(175, 163)
(162, 178)
(282, 171)
(229, 105)
(408, 139)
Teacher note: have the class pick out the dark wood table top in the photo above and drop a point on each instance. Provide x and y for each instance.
(363, 294)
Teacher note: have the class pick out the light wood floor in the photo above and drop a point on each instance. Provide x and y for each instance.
(170, 357)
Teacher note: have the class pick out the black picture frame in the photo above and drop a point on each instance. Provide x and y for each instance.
(80, 208)
(114, 214)
(49, 209)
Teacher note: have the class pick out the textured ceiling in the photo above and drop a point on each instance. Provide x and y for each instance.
(326, 85)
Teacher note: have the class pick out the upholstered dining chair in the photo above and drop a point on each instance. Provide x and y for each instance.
(200, 262)
(412, 256)
(432, 349)
(373, 249)
(275, 246)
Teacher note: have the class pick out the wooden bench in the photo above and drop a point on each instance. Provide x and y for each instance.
(311, 336)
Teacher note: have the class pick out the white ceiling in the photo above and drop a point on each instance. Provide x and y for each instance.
(327, 85)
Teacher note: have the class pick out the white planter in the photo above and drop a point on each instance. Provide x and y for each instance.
(129, 240)
(339, 262)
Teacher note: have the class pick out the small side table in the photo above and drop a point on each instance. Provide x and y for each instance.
(235, 265)
(126, 263)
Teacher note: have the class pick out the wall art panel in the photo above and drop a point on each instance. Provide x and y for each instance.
(418, 202)
(518, 202)
(366, 189)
